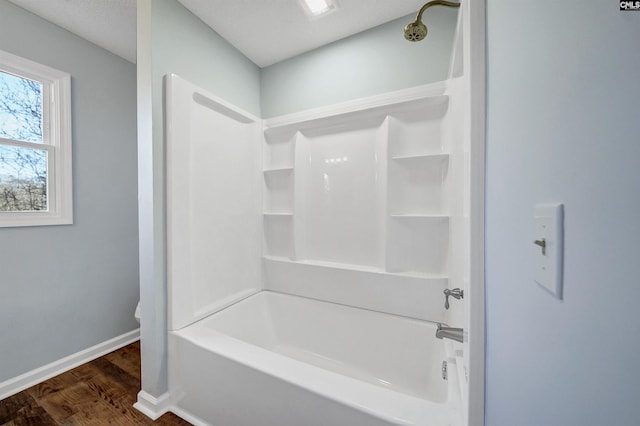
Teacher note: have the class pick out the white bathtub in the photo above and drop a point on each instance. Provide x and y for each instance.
(280, 360)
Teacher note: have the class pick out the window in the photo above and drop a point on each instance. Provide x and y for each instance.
(35, 144)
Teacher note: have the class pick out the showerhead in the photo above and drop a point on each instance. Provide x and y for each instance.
(415, 31)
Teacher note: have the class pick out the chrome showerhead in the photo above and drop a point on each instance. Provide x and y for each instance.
(415, 31)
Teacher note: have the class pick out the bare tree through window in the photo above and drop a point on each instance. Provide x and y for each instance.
(23, 166)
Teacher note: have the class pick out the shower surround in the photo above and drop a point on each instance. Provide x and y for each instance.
(307, 258)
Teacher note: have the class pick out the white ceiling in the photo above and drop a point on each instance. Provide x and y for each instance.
(269, 31)
(266, 31)
(110, 24)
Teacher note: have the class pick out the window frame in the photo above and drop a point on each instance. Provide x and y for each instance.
(56, 141)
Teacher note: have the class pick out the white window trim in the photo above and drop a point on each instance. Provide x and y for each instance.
(56, 141)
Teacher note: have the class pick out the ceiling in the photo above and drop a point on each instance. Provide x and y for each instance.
(266, 31)
(111, 24)
(269, 31)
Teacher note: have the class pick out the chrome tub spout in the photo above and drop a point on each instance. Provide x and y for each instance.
(450, 333)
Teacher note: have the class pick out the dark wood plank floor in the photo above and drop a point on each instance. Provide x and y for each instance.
(101, 392)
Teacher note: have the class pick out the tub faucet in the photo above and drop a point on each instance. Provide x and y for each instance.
(450, 333)
(456, 293)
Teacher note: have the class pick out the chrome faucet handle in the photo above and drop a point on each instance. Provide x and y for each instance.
(456, 293)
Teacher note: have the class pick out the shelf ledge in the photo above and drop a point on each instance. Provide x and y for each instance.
(278, 170)
(421, 157)
(420, 216)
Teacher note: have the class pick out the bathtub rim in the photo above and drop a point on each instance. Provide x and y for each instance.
(393, 406)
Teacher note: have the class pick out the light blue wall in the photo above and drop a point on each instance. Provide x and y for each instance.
(563, 103)
(366, 64)
(66, 288)
(182, 44)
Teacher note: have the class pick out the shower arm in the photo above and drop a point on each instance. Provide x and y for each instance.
(435, 3)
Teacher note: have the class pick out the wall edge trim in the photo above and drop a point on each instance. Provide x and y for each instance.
(151, 406)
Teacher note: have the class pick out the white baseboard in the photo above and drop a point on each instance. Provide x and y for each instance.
(33, 377)
(151, 406)
(195, 421)
(154, 408)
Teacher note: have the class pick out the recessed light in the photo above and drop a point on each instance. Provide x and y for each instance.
(319, 7)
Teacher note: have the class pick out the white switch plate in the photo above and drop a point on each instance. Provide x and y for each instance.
(549, 224)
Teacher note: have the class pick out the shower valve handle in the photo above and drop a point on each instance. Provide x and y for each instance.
(456, 293)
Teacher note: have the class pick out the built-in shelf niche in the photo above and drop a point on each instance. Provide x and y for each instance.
(278, 194)
(417, 184)
(279, 150)
(418, 130)
(278, 190)
(417, 194)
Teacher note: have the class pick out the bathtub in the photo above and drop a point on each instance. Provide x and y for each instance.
(274, 359)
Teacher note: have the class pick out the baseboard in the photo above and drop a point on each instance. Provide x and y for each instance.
(195, 421)
(154, 408)
(33, 377)
(151, 406)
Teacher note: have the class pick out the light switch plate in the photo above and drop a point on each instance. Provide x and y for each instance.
(548, 251)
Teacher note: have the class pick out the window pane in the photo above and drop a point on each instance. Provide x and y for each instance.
(23, 179)
(20, 108)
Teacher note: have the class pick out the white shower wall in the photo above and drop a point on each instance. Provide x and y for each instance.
(358, 204)
(338, 197)
(213, 209)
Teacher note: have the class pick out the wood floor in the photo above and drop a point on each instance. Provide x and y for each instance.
(101, 392)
